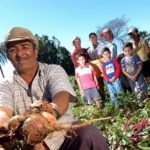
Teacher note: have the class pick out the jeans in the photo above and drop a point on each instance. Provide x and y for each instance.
(114, 89)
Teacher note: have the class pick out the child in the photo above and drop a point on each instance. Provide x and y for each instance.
(132, 67)
(111, 73)
(87, 81)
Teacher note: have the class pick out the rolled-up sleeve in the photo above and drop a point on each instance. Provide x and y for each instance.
(58, 80)
(6, 95)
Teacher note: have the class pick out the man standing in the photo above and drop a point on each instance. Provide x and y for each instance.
(34, 82)
(95, 52)
(114, 44)
(142, 49)
(77, 45)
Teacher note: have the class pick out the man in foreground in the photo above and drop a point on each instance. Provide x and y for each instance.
(34, 82)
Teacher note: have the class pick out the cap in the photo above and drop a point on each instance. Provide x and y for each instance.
(133, 29)
(19, 34)
(105, 31)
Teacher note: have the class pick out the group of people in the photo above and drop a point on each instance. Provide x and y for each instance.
(121, 66)
(34, 82)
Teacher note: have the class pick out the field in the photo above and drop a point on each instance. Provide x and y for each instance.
(129, 126)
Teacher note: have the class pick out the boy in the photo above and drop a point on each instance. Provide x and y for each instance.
(111, 73)
(132, 68)
(87, 81)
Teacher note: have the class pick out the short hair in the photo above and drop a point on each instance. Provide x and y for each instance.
(92, 33)
(128, 44)
(81, 54)
(106, 49)
(76, 38)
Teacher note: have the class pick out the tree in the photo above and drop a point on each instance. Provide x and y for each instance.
(65, 60)
(145, 35)
(3, 57)
(51, 52)
(117, 25)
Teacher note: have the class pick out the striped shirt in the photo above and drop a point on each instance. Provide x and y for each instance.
(49, 80)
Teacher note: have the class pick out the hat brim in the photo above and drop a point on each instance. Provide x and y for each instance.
(129, 33)
(19, 39)
(102, 34)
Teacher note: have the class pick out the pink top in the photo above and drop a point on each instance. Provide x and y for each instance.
(86, 76)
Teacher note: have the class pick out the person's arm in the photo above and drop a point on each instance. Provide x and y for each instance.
(113, 50)
(61, 103)
(5, 103)
(79, 84)
(104, 73)
(59, 88)
(139, 70)
(125, 73)
(147, 48)
(95, 79)
(117, 72)
(5, 115)
(94, 75)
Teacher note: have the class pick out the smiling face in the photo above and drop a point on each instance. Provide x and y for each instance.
(128, 51)
(106, 55)
(81, 61)
(23, 55)
(77, 43)
(93, 39)
(108, 36)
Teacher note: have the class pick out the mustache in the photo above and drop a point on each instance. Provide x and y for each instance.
(19, 58)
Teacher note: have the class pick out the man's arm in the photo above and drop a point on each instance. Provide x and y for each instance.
(139, 70)
(60, 89)
(147, 48)
(61, 102)
(5, 115)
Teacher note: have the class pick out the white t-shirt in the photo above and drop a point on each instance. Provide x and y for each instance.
(95, 53)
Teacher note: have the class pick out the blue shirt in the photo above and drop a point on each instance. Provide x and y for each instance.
(110, 68)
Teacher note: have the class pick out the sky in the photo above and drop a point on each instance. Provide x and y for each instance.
(66, 19)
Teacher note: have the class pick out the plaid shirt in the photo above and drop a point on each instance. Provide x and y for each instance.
(49, 80)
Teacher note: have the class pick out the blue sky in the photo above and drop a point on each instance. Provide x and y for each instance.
(66, 19)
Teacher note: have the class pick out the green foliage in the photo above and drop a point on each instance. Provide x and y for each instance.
(129, 127)
(145, 35)
(51, 52)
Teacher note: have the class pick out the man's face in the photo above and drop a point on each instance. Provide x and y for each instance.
(23, 55)
(108, 36)
(93, 39)
(133, 35)
(77, 43)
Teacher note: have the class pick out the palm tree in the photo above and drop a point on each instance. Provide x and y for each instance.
(3, 57)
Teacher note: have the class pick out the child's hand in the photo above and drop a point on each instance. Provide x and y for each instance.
(112, 79)
(133, 78)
